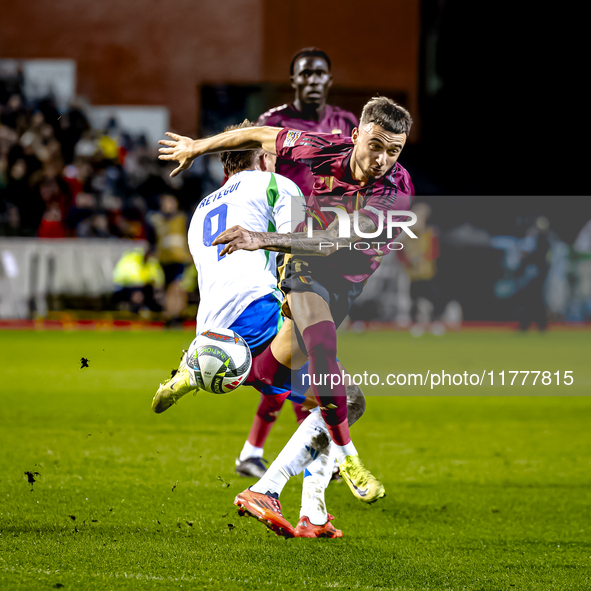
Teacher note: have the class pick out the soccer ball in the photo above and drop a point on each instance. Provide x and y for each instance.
(219, 359)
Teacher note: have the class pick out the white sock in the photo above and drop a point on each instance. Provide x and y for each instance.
(309, 441)
(250, 451)
(316, 478)
(342, 451)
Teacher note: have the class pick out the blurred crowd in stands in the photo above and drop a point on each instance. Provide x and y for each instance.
(59, 177)
(62, 178)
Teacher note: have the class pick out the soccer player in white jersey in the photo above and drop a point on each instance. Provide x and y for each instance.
(240, 293)
(259, 199)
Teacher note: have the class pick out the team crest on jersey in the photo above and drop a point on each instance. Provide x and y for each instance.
(291, 138)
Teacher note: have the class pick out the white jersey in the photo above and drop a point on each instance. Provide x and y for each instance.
(258, 201)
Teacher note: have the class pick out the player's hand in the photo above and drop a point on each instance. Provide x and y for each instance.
(237, 238)
(180, 149)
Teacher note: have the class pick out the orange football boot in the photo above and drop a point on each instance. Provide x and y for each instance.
(266, 509)
(305, 529)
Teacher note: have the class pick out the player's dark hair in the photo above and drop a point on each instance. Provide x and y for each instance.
(237, 161)
(309, 52)
(387, 114)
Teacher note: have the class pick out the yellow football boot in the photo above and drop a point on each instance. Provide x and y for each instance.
(174, 388)
(363, 484)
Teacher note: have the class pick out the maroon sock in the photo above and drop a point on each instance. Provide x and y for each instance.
(321, 343)
(301, 413)
(266, 370)
(269, 409)
(340, 433)
(263, 422)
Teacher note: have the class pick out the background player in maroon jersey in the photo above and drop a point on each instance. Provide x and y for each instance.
(309, 111)
(311, 79)
(358, 174)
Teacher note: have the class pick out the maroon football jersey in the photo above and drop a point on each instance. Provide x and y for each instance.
(328, 157)
(335, 120)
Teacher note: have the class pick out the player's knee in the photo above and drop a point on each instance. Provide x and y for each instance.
(320, 442)
(355, 403)
(268, 415)
(334, 410)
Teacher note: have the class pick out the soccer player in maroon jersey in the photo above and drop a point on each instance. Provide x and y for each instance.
(311, 79)
(358, 175)
(309, 111)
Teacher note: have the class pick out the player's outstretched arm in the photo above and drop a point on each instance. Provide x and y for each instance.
(184, 150)
(322, 243)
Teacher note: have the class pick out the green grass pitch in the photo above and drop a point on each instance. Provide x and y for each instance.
(486, 490)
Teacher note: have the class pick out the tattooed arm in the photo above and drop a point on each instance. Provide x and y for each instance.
(323, 243)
